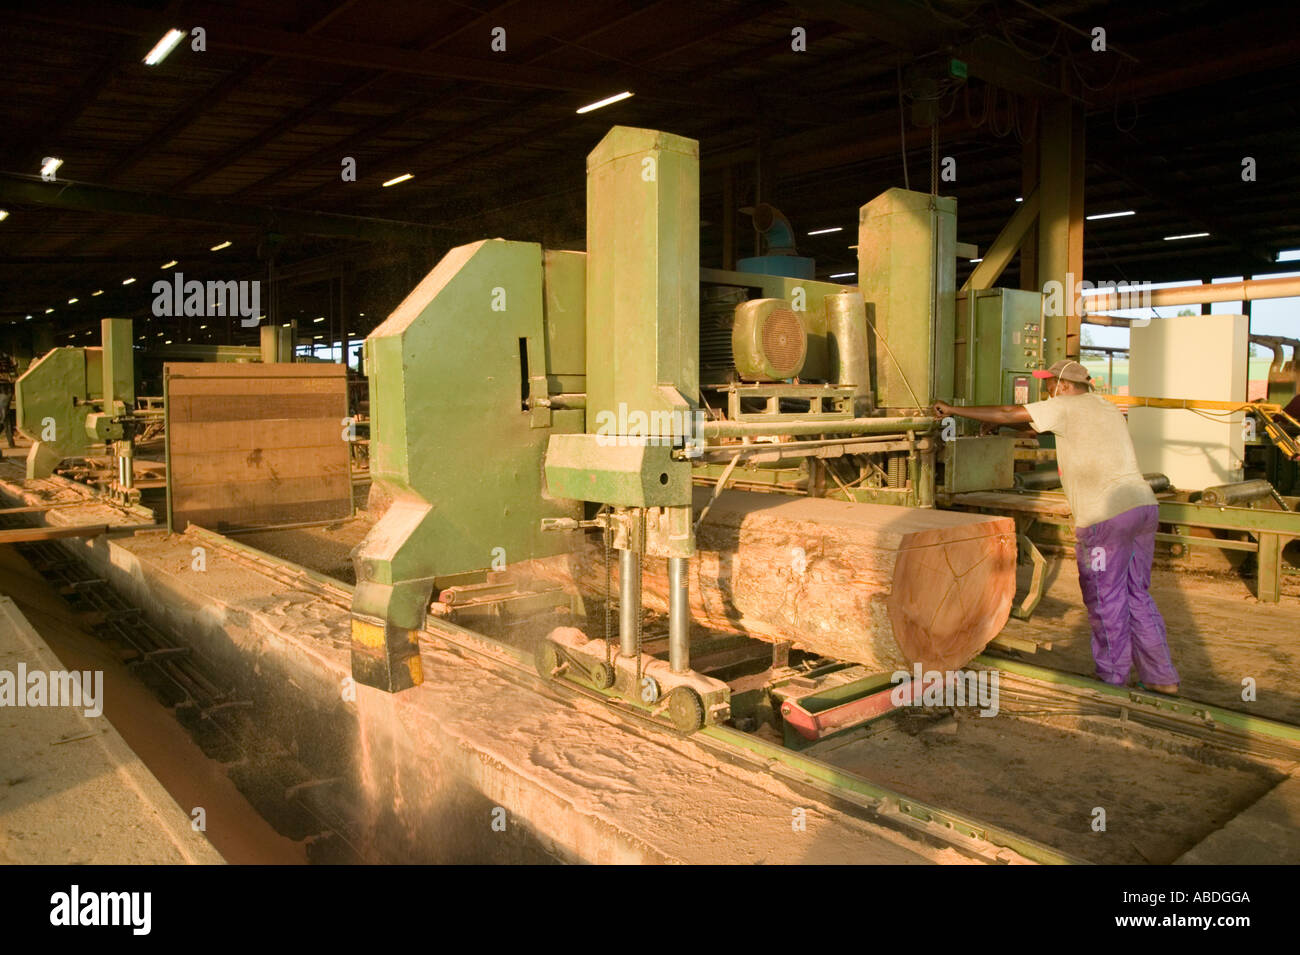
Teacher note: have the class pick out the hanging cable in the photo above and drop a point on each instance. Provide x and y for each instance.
(902, 127)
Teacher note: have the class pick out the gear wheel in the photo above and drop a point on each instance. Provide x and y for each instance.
(601, 675)
(685, 709)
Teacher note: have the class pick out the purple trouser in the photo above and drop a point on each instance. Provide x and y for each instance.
(1114, 558)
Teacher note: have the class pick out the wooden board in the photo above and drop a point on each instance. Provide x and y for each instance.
(870, 583)
(256, 445)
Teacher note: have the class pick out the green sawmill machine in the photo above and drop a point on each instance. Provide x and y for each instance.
(74, 400)
(522, 396)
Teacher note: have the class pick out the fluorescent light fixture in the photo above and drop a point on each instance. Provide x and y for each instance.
(402, 178)
(1189, 235)
(168, 342)
(616, 98)
(4, 214)
(838, 228)
(128, 281)
(223, 245)
(316, 337)
(203, 326)
(973, 261)
(321, 319)
(164, 47)
(51, 166)
(284, 325)
(167, 265)
(161, 334)
(28, 319)
(73, 301)
(844, 275)
(1020, 198)
(97, 292)
(48, 310)
(1112, 215)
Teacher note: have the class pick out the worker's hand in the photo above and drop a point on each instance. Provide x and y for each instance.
(941, 409)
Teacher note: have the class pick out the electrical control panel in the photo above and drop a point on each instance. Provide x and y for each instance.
(1004, 346)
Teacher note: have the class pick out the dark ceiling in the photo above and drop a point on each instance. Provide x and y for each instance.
(244, 141)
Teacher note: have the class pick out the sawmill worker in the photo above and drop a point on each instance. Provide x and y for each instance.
(1115, 516)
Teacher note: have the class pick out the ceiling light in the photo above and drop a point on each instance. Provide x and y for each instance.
(4, 214)
(164, 47)
(1020, 198)
(73, 301)
(844, 275)
(976, 260)
(321, 319)
(1112, 215)
(1190, 235)
(617, 97)
(167, 265)
(52, 164)
(838, 228)
(97, 292)
(402, 178)
(128, 281)
(48, 310)
(223, 245)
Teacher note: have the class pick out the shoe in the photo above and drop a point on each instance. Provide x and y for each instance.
(1165, 689)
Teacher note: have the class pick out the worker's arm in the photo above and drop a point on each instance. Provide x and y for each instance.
(1009, 415)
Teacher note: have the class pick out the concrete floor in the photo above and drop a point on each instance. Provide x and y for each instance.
(71, 790)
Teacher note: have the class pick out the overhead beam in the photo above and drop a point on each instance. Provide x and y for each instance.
(918, 29)
(1125, 164)
(1004, 247)
(91, 198)
(243, 37)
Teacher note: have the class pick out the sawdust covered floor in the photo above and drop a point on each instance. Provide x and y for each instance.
(1219, 635)
(1047, 778)
(234, 827)
(324, 549)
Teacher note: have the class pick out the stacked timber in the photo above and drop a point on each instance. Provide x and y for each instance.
(875, 584)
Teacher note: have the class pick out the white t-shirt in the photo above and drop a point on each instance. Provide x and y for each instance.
(1099, 470)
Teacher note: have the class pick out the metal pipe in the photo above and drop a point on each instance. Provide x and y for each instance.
(629, 601)
(1243, 492)
(846, 339)
(750, 429)
(679, 614)
(126, 464)
(1247, 291)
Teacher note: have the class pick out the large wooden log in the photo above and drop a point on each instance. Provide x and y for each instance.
(870, 583)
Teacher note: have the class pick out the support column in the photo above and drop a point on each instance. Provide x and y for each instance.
(1060, 220)
(629, 601)
(679, 614)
